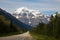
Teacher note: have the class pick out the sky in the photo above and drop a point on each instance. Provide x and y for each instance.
(41, 5)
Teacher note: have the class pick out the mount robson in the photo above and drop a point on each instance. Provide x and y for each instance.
(36, 24)
(30, 17)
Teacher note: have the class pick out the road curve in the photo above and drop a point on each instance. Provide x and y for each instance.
(24, 36)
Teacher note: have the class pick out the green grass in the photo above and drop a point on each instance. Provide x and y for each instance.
(41, 37)
(9, 34)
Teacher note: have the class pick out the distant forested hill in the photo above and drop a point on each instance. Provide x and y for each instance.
(7, 27)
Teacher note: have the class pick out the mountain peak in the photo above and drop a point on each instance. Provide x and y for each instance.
(24, 10)
(29, 16)
(19, 10)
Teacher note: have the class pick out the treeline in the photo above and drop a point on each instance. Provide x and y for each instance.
(52, 29)
(7, 27)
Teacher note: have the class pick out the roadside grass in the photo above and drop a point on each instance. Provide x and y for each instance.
(11, 33)
(41, 37)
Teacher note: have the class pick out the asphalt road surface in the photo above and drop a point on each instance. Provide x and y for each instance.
(24, 36)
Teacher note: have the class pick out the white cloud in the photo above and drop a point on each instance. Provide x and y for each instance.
(3, 0)
(12, 5)
(57, 0)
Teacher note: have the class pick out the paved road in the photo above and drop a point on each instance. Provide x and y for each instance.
(24, 36)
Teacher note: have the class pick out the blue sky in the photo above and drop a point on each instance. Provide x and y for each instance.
(42, 5)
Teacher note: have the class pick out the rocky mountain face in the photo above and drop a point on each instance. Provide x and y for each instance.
(30, 17)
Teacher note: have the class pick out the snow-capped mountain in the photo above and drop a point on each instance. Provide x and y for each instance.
(30, 17)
